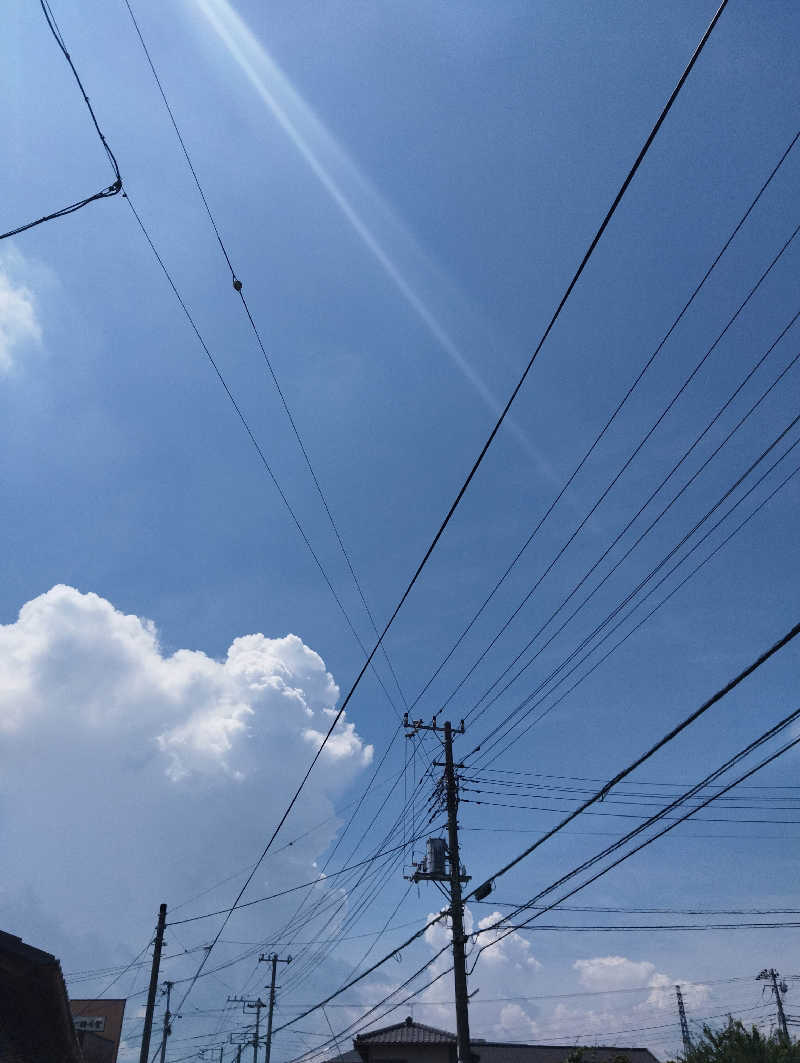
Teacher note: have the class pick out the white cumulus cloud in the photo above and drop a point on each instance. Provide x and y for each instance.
(506, 970)
(609, 973)
(19, 323)
(613, 972)
(131, 776)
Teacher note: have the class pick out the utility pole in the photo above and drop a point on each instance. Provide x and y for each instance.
(254, 1005)
(239, 1046)
(687, 1041)
(771, 975)
(274, 959)
(151, 993)
(432, 868)
(166, 1029)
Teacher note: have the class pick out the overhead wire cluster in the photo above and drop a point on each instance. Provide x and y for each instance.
(332, 905)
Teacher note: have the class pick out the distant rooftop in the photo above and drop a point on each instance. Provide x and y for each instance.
(409, 1032)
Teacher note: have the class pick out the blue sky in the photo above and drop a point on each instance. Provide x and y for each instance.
(405, 191)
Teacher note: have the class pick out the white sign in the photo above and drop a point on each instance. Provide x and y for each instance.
(93, 1025)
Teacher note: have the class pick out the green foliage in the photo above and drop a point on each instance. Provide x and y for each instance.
(735, 1044)
(576, 1056)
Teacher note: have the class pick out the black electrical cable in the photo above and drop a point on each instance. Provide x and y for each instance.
(462, 490)
(493, 780)
(603, 792)
(762, 659)
(621, 910)
(337, 905)
(651, 927)
(286, 502)
(684, 487)
(652, 838)
(620, 472)
(662, 815)
(392, 829)
(532, 699)
(104, 193)
(663, 601)
(360, 1022)
(649, 782)
(291, 889)
(238, 287)
(695, 292)
(342, 834)
(133, 963)
(503, 933)
(563, 996)
(627, 815)
(507, 724)
(665, 509)
(359, 908)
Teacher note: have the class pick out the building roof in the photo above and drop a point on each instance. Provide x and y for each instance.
(504, 1052)
(417, 1033)
(37, 1023)
(407, 1032)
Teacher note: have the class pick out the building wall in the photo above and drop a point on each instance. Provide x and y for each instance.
(411, 1053)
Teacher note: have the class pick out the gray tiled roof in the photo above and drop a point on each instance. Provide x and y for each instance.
(503, 1052)
(417, 1033)
(407, 1033)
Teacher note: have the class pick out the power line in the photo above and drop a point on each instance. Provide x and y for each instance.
(239, 289)
(674, 590)
(651, 927)
(104, 193)
(504, 932)
(643, 782)
(506, 723)
(293, 889)
(604, 791)
(625, 465)
(678, 318)
(462, 490)
(598, 796)
(561, 996)
(629, 815)
(648, 841)
(286, 502)
(726, 766)
(494, 779)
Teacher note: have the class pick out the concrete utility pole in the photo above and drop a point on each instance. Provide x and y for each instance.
(771, 975)
(239, 1046)
(151, 993)
(436, 872)
(687, 1041)
(166, 1029)
(253, 1005)
(274, 959)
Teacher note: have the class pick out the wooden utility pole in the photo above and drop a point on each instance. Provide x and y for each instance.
(151, 993)
(453, 874)
(274, 959)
